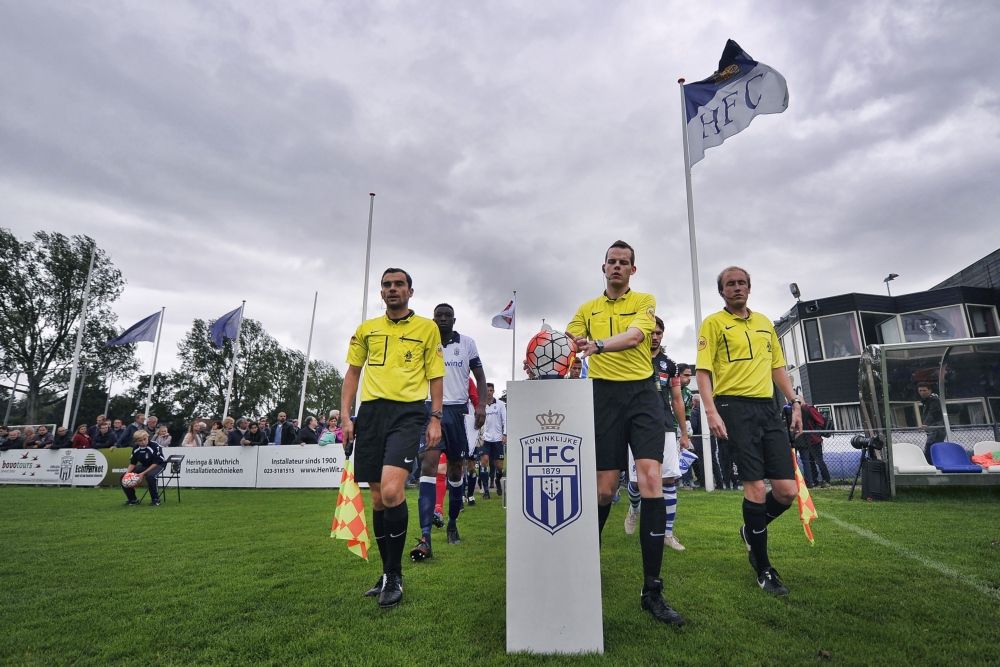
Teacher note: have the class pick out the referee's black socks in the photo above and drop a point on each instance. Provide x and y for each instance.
(602, 517)
(755, 518)
(773, 508)
(378, 527)
(652, 519)
(395, 536)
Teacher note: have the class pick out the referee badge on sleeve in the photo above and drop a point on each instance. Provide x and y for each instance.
(702, 342)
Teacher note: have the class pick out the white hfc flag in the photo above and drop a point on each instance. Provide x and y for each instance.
(725, 103)
(505, 318)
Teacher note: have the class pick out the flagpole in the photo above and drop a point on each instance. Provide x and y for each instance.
(236, 356)
(305, 372)
(79, 341)
(364, 298)
(513, 336)
(79, 394)
(152, 372)
(10, 402)
(107, 403)
(706, 436)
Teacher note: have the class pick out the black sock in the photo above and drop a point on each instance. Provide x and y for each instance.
(378, 527)
(602, 517)
(396, 519)
(773, 507)
(755, 518)
(652, 518)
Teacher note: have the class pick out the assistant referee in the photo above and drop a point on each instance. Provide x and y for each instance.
(402, 352)
(628, 411)
(739, 362)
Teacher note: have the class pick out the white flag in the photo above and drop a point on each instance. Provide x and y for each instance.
(725, 103)
(505, 318)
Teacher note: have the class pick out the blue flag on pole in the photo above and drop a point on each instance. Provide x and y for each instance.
(226, 326)
(724, 104)
(143, 330)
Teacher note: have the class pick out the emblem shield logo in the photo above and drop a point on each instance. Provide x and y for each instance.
(552, 496)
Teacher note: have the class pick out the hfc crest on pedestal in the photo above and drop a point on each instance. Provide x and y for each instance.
(551, 494)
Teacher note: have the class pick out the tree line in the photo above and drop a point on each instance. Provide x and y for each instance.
(41, 295)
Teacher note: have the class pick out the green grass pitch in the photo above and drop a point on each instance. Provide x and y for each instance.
(252, 577)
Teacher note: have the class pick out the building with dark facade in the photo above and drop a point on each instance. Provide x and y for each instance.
(823, 339)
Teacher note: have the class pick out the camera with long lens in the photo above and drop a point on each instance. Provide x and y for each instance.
(873, 443)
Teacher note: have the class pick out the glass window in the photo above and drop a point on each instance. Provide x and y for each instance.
(814, 348)
(840, 336)
(847, 417)
(984, 320)
(789, 350)
(934, 324)
(966, 412)
(889, 331)
(872, 325)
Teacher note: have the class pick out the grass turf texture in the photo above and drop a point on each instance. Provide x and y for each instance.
(244, 576)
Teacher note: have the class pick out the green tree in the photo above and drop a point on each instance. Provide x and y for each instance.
(41, 296)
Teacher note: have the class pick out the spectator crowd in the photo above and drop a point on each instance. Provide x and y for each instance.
(108, 433)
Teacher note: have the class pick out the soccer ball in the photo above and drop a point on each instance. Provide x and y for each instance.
(550, 353)
(131, 480)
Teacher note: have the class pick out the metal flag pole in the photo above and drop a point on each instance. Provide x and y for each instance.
(513, 336)
(152, 372)
(107, 403)
(368, 256)
(305, 372)
(10, 402)
(706, 436)
(79, 394)
(236, 357)
(364, 298)
(79, 342)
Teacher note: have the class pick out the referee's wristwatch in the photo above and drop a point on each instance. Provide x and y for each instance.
(797, 400)
(436, 413)
(599, 344)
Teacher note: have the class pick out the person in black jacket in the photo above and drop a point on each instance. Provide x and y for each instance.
(307, 434)
(283, 432)
(254, 437)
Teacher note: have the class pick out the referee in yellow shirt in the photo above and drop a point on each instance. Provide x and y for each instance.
(739, 362)
(614, 330)
(403, 354)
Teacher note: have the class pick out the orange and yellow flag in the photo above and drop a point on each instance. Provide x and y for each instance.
(349, 521)
(807, 511)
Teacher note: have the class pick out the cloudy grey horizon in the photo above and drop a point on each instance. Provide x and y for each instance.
(225, 151)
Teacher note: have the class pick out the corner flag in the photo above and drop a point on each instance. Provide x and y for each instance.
(349, 521)
(722, 105)
(807, 511)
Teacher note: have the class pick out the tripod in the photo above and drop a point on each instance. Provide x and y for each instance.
(866, 453)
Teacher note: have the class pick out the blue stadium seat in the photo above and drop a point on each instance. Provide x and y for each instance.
(951, 457)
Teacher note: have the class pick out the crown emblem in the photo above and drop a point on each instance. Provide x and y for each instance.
(550, 421)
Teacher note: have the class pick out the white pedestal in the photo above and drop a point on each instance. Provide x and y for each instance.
(553, 551)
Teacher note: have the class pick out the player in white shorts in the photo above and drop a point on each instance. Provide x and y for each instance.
(668, 383)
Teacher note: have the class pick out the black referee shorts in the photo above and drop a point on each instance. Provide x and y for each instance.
(757, 437)
(627, 414)
(387, 433)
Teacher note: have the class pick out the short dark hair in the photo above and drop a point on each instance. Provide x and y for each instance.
(926, 385)
(490, 384)
(444, 305)
(659, 322)
(392, 269)
(624, 246)
(681, 367)
(723, 272)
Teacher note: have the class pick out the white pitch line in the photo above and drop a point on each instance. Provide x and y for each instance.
(966, 579)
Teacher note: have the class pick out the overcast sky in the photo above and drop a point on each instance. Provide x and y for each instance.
(223, 151)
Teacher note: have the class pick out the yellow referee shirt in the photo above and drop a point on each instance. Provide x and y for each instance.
(603, 318)
(400, 357)
(740, 354)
